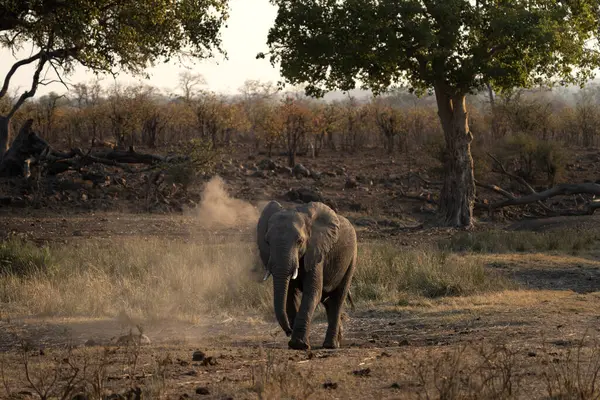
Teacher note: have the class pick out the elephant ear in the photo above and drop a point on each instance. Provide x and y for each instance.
(324, 232)
(262, 227)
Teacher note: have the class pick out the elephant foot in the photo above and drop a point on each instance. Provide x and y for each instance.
(298, 344)
(333, 343)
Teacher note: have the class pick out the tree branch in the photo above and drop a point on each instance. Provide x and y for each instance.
(31, 92)
(14, 69)
(42, 58)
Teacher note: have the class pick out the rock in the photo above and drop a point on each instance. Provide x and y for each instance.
(329, 174)
(198, 356)
(300, 171)
(330, 385)
(91, 343)
(259, 174)
(365, 222)
(209, 361)
(362, 372)
(202, 390)
(133, 339)
(284, 170)
(389, 223)
(80, 396)
(351, 183)
(340, 170)
(315, 174)
(304, 195)
(267, 164)
(356, 207)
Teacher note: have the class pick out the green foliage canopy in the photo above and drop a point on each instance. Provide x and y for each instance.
(455, 45)
(106, 34)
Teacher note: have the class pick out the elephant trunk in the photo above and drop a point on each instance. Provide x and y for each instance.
(280, 291)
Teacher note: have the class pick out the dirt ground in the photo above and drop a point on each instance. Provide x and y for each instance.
(522, 343)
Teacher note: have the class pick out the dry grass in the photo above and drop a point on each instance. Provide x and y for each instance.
(148, 278)
(388, 274)
(571, 241)
(155, 279)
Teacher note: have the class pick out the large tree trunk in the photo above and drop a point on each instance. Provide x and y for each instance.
(26, 145)
(458, 192)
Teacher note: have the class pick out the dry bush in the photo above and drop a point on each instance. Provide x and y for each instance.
(470, 372)
(575, 375)
(566, 240)
(275, 378)
(533, 158)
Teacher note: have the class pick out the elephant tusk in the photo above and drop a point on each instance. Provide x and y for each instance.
(267, 274)
(295, 274)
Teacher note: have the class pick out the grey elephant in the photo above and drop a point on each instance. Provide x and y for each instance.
(311, 253)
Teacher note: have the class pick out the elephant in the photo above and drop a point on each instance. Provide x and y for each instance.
(311, 252)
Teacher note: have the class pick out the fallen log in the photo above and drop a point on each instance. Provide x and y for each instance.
(562, 189)
(129, 157)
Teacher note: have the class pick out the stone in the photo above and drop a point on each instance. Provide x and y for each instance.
(351, 183)
(202, 390)
(300, 171)
(198, 356)
(304, 195)
(267, 164)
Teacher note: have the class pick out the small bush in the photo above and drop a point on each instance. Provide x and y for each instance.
(530, 157)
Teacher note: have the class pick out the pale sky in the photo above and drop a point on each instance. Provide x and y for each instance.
(245, 36)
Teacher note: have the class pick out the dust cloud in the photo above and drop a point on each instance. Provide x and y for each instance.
(219, 210)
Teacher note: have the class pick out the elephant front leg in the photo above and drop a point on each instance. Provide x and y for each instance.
(293, 304)
(311, 294)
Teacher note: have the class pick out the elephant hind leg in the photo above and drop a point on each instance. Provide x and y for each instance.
(334, 307)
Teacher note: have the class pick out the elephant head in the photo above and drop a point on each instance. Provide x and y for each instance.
(287, 237)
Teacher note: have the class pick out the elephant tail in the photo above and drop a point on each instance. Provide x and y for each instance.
(349, 297)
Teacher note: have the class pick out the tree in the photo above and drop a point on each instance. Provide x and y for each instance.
(390, 123)
(255, 97)
(296, 124)
(188, 83)
(104, 36)
(452, 47)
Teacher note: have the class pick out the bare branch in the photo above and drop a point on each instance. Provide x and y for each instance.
(496, 189)
(29, 93)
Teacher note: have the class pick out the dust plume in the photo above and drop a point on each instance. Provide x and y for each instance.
(219, 210)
